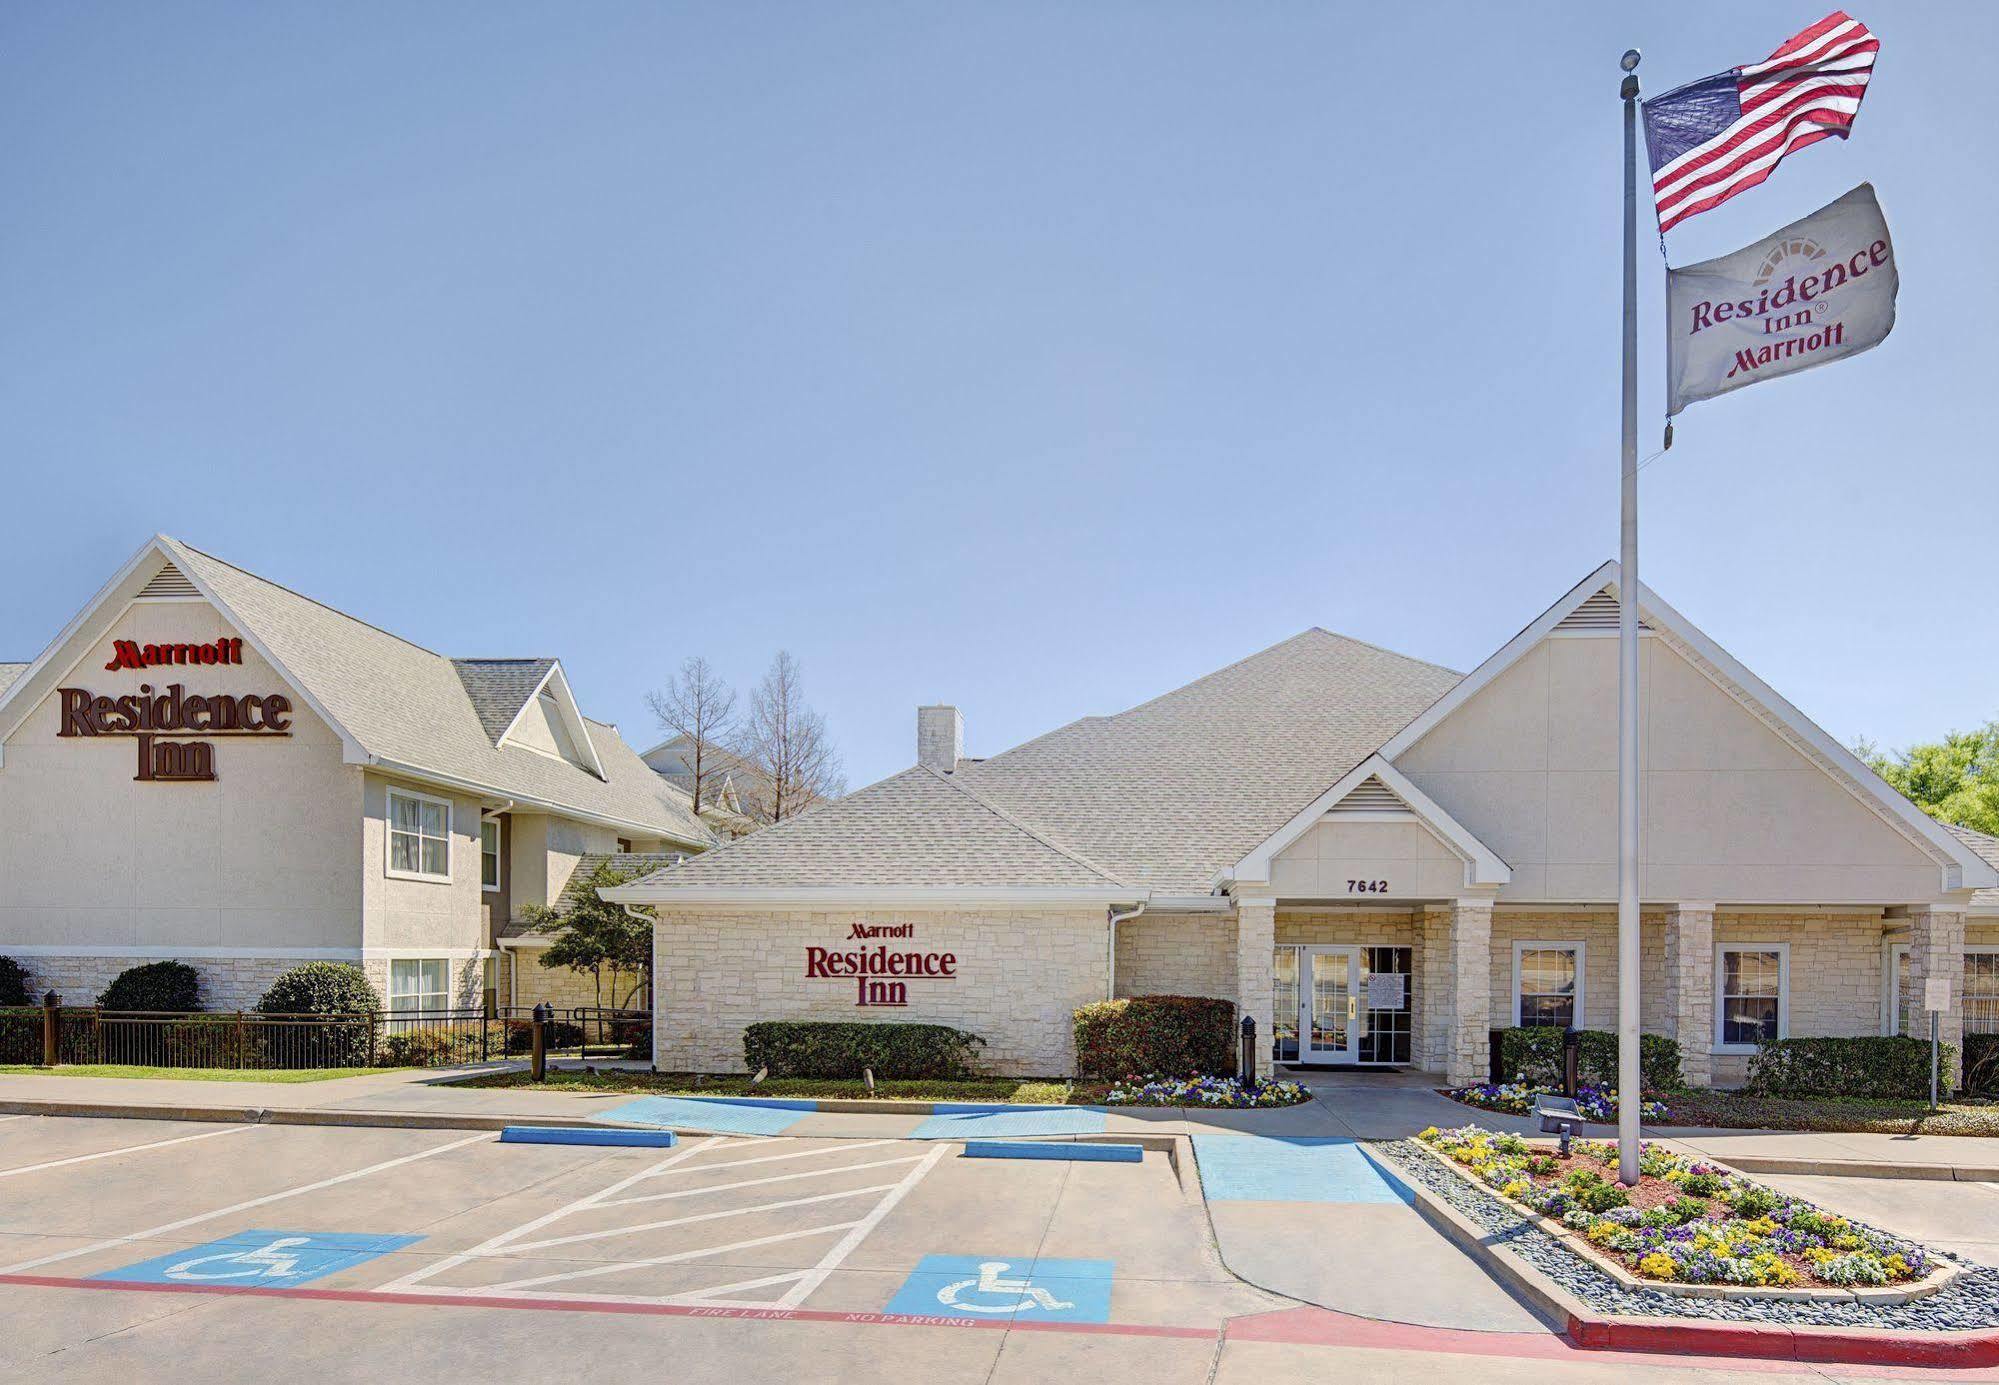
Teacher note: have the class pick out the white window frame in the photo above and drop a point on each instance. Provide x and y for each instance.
(1783, 951)
(1892, 991)
(1577, 946)
(499, 855)
(1964, 992)
(445, 995)
(389, 837)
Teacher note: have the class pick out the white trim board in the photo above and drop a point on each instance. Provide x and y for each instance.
(1483, 867)
(867, 896)
(1783, 951)
(1575, 945)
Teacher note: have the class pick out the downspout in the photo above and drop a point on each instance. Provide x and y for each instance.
(1110, 948)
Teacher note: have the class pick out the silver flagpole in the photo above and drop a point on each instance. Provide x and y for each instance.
(1627, 668)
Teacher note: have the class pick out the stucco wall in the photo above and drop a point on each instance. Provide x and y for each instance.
(405, 913)
(1334, 855)
(1731, 811)
(1176, 954)
(1021, 976)
(264, 857)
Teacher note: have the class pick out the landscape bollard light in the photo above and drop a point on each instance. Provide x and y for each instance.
(1572, 1060)
(51, 1029)
(1248, 1057)
(538, 1047)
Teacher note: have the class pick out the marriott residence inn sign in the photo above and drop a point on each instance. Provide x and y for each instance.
(152, 715)
(1820, 289)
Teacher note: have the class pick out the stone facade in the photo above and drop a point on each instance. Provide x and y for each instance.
(1256, 947)
(1689, 967)
(1177, 954)
(227, 983)
(1020, 974)
(1936, 950)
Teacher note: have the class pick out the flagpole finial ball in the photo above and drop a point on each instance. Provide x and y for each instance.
(1629, 62)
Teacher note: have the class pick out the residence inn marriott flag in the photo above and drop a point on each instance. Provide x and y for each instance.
(1820, 289)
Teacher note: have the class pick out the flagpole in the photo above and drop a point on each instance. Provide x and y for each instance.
(1628, 1073)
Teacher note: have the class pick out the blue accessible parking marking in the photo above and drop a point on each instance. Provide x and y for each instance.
(762, 1117)
(261, 1259)
(1304, 1168)
(1020, 1289)
(949, 1122)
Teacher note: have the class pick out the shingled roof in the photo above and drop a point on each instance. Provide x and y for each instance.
(411, 708)
(8, 673)
(499, 688)
(1158, 798)
(1984, 901)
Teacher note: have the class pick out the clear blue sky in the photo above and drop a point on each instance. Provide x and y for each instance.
(1035, 357)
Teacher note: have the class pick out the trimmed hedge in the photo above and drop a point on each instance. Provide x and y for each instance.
(154, 986)
(321, 988)
(13, 984)
(1534, 1053)
(561, 1034)
(1981, 1064)
(1887, 1066)
(1147, 1035)
(838, 1048)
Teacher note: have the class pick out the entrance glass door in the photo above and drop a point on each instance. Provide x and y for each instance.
(1331, 1018)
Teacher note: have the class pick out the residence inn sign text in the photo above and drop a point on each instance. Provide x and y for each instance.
(879, 973)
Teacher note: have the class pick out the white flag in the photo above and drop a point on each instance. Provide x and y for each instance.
(1819, 290)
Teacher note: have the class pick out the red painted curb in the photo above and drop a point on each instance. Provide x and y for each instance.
(1856, 1346)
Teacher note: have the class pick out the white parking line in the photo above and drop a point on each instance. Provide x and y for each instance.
(803, 1281)
(170, 1227)
(494, 1244)
(5, 1119)
(125, 1149)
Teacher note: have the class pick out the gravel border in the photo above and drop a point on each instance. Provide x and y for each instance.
(1968, 1303)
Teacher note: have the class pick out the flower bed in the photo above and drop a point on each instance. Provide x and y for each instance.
(1223, 1092)
(1517, 1099)
(1685, 1222)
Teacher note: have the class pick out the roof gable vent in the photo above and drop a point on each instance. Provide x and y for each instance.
(1596, 616)
(1371, 796)
(168, 584)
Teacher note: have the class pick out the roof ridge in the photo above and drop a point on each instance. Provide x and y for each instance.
(344, 615)
(1003, 815)
(1384, 649)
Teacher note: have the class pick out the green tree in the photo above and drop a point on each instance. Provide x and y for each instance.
(1953, 780)
(592, 935)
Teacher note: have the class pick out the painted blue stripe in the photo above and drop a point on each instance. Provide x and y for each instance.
(1055, 1149)
(1013, 1121)
(1305, 1168)
(554, 1135)
(728, 1118)
(774, 1103)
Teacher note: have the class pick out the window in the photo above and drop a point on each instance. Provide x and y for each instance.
(419, 983)
(1981, 990)
(1548, 984)
(1284, 1005)
(419, 836)
(489, 853)
(1751, 995)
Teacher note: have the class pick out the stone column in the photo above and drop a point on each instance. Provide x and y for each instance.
(1255, 945)
(1433, 989)
(1690, 988)
(1936, 949)
(1469, 993)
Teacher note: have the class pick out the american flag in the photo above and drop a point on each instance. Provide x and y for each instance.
(1711, 139)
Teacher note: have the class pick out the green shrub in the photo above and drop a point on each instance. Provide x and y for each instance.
(322, 988)
(161, 987)
(1601, 1197)
(1981, 1065)
(1874, 1065)
(1143, 1035)
(561, 1034)
(1534, 1054)
(418, 1048)
(1703, 1185)
(13, 984)
(319, 988)
(1753, 1201)
(805, 1048)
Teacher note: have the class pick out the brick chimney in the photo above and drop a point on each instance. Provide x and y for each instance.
(940, 738)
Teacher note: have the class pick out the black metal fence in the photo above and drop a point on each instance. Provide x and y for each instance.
(67, 1034)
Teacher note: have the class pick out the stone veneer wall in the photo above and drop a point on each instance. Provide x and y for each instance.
(227, 983)
(1177, 954)
(1021, 975)
(566, 989)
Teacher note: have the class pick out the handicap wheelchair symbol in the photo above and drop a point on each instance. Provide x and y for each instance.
(262, 1259)
(1021, 1287)
(268, 1261)
(990, 1282)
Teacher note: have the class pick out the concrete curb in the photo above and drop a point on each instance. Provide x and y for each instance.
(277, 1115)
(1594, 1330)
(1857, 1168)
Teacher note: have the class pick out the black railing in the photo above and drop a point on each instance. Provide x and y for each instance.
(612, 1033)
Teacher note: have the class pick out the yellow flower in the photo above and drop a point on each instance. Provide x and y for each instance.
(1657, 1265)
(1603, 1232)
(1897, 1267)
(1761, 1226)
(1519, 1187)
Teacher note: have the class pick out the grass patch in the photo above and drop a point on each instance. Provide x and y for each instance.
(1828, 1115)
(191, 1074)
(1022, 1091)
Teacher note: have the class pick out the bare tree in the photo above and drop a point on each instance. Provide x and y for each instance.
(699, 707)
(785, 741)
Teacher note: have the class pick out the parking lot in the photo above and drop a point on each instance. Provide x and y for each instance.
(128, 1225)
